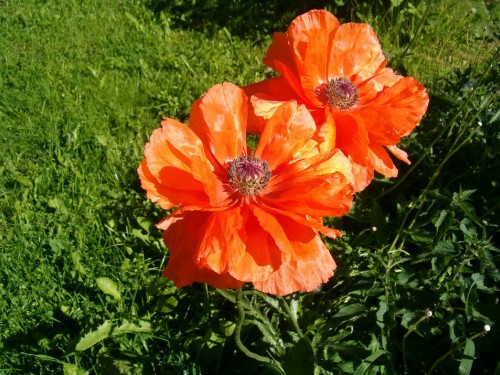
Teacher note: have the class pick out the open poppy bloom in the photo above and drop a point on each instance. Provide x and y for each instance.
(245, 216)
(338, 72)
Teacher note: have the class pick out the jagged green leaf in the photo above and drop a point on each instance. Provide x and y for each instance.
(109, 287)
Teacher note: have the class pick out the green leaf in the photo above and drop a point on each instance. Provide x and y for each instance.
(440, 219)
(92, 338)
(76, 258)
(368, 362)
(109, 287)
(346, 367)
(466, 226)
(467, 358)
(145, 223)
(300, 359)
(106, 330)
(352, 309)
(383, 308)
(444, 248)
(420, 236)
(478, 280)
(71, 369)
(131, 327)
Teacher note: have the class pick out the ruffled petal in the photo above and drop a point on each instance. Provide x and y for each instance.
(352, 137)
(355, 53)
(394, 112)
(281, 58)
(219, 119)
(265, 97)
(311, 36)
(382, 162)
(182, 238)
(306, 263)
(326, 132)
(370, 88)
(400, 154)
(312, 222)
(234, 243)
(176, 171)
(154, 189)
(363, 175)
(287, 134)
(316, 186)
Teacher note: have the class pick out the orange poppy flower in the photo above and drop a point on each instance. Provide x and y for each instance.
(245, 216)
(338, 72)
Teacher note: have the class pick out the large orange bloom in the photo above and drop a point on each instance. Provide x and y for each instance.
(338, 72)
(243, 216)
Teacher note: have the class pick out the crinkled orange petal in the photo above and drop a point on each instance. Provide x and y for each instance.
(326, 132)
(394, 112)
(310, 35)
(219, 119)
(370, 88)
(307, 220)
(382, 161)
(281, 58)
(363, 175)
(400, 154)
(152, 186)
(260, 245)
(286, 134)
(354, 53)
(273, 89)
(316, 186)
(263, 109)
(306, 263)
(266, 96)
(234, 243)
(351, 137)
(182, 238)
(176, 170)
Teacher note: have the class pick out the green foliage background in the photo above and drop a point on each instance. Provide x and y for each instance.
(84, 83)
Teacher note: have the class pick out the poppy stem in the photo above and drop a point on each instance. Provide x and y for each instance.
(427, 315)
(237, 332)
(456, 347)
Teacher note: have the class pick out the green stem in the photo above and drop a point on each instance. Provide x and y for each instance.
(452, 350)
(237, 332)
(421, 199)
(421, 23)
(427, 315)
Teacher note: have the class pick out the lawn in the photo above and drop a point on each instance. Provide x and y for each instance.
(83, 84)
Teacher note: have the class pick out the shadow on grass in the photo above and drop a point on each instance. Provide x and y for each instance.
(246, 19)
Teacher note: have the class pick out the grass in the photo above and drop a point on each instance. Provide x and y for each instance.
(84, 83)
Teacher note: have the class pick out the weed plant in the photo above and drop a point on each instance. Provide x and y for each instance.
(82, 86)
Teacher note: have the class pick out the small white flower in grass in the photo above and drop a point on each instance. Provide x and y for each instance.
(487, 328)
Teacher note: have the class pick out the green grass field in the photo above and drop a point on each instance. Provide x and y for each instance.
(82, 86)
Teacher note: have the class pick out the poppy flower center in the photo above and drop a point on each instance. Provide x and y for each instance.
(249, 175)
(339, 93)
